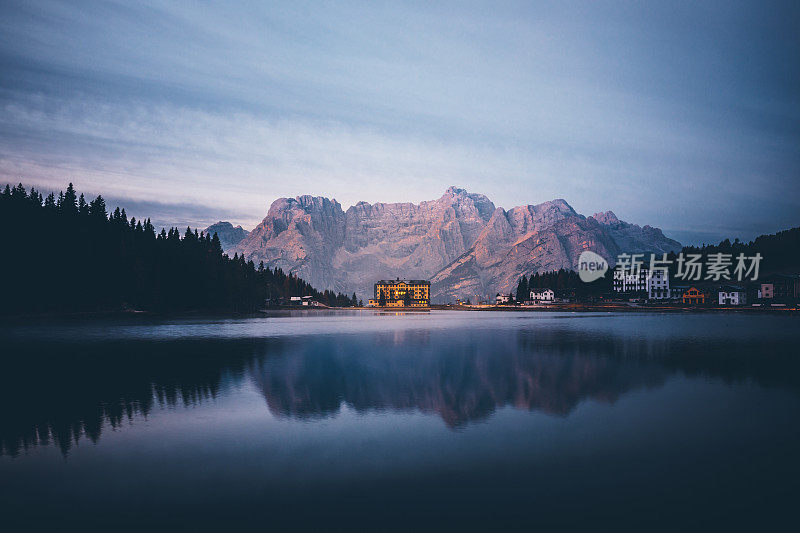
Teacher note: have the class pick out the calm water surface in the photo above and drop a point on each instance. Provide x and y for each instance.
(368, 421)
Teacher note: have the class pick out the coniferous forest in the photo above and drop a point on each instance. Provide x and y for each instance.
(779, 251)
(564, 280)
(62, 254)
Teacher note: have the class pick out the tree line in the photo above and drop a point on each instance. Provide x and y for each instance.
(780, 251)
(565, 281)
(64, 254)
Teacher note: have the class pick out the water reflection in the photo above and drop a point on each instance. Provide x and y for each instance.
(63, 391)
(468, 376)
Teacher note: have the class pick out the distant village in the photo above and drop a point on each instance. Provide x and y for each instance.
(763, 273)
(640, 288)
(655, 288)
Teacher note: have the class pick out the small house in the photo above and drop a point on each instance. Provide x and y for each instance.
(542, 296)
(731, 295)
(694, 296)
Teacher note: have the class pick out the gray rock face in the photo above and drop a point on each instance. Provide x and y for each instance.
(299, 235)
(631, 237)
(229, 236)
(465, 245)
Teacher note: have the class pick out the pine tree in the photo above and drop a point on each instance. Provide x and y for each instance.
(120, 263)
(97, 208)
(35, 198)
(69, 203)
(216, 246)
(18, 193)
(523, 293)
(83, 207)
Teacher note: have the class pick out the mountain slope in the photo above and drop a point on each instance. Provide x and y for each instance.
(229, 236)
(465, 244)
(535, 239)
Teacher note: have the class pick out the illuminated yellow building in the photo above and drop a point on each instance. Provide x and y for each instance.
(402, 293)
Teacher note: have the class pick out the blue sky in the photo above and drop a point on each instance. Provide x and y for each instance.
(683, 115)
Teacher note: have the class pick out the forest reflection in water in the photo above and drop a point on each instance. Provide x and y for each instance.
(62, 390)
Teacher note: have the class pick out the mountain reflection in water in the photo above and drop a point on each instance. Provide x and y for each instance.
(62, 390)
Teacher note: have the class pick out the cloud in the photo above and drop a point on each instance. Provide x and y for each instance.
(684, 117)
(238, 162)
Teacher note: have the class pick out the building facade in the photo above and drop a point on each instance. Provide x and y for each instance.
(767, 291)
(780, 287)
(694, 296)
(676, 292)
(542, 296)
(501, 299)
(631, 280)
(658, 285)
(731, 296)
(402, 293)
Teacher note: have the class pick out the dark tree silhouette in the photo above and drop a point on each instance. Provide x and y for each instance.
(62, 254)
(523, 293)
(780, 251)
(568, 282)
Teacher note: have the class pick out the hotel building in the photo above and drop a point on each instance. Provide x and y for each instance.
(658, 285)
(631, 280)
(655, 284)
(402, 293)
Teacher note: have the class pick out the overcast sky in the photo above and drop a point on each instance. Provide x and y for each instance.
(683, 115)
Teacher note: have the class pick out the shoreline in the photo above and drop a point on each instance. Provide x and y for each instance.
(588, 308)
(572, 308)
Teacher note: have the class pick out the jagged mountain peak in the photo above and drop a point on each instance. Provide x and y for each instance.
(558, 206)
(561, 204)
(462, 199)
(222, 224)
(607, 218)
(458, 192)
(466, 245)
(305, 202)
(229, 236)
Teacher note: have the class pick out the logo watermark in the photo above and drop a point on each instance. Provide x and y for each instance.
(591, 266)
(688, 267)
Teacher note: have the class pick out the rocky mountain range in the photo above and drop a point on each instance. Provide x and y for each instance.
(229, 236)
(462, 242)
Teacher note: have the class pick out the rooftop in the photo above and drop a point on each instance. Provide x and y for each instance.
(407, 281)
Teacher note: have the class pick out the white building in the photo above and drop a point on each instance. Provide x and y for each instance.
(732, 296)
(542, 296)
(501, 299)
(630, 280)
(658, 285)
(767, 291)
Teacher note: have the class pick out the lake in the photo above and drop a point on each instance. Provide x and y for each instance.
(364, 420)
